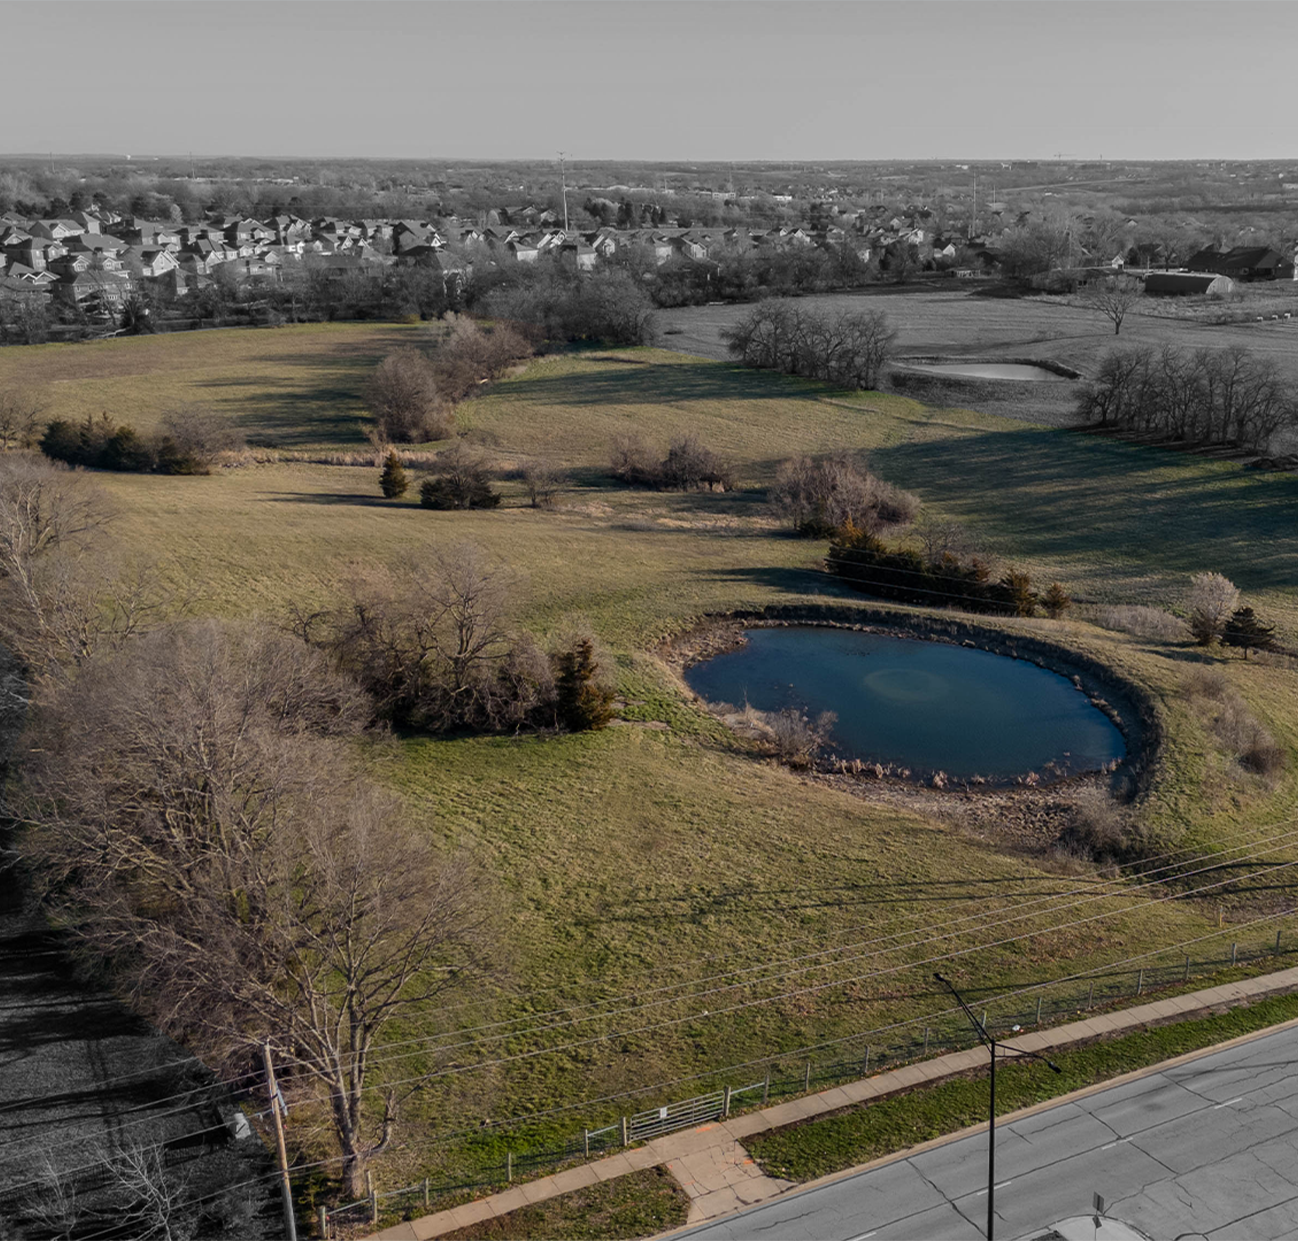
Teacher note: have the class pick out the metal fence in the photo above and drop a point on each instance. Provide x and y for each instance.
(848, 1059)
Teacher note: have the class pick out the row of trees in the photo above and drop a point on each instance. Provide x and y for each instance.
(845, 348)
(188, 442)
(867, 564)
(1201, 396)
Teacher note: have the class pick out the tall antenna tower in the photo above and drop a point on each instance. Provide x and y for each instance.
(563, 183)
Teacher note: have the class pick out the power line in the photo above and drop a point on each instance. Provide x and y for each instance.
(1015, 914)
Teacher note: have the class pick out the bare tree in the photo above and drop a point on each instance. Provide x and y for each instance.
(20, 415)
(402, 395)
(60, 595)
(1113, 297)
(1213, 599)
(199, 822)
(822, 496)
(435, 648)
(542, 480)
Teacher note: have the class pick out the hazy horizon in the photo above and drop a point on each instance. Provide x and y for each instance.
(656, 81)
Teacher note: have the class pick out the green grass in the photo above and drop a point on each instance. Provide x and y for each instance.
(639, 1204)
(820, 1147)
(296, 387)
(643, 858)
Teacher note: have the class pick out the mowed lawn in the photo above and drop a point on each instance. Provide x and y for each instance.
(661, 853)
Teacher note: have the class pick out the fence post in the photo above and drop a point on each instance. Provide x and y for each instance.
(984, 1019)
(1039, 998)
(766, 1086)
(425, 1193)
(865, 1063)
(926, 1040)
(373, 1196)
(1187, 968)
(626, 1133)
(322, 1219)
(1090, 995)
(585, 1142)
(1140, 980)
(1234, 949)
(806, 1079)
(509, 1167)
(725, 1104)
(1277, 943)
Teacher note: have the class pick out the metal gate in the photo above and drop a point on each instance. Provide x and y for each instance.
(674, 1116)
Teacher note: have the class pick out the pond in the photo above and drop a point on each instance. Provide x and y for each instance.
(986, 370)
(916, 705)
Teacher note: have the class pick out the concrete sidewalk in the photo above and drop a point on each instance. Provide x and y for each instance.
(717, 1172)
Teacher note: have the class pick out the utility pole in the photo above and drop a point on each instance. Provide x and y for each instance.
(990, 1043)
(290, 1223)
(563, 182)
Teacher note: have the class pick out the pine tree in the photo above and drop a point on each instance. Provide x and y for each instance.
(393, 480)
(1246, 630)
(581, 703)
(1055, 601)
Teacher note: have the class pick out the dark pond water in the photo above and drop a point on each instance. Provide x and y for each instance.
(987, 370)
(926, 706)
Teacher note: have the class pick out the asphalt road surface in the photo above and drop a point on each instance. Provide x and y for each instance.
(1205, 1149)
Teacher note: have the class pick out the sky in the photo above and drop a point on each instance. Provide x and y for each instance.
(660, 80)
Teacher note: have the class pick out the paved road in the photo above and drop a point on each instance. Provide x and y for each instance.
(1204, 1149)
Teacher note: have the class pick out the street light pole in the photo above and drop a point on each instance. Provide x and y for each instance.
(990, 1043)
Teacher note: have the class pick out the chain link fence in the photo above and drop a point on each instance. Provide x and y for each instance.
(813, 1070)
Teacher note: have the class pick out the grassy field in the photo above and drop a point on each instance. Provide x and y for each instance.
(661, 853)
(959, 322)
(295, 387)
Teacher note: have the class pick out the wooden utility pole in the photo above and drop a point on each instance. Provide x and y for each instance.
(290, 1224)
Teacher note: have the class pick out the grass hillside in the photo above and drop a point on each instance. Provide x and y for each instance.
(637, 865)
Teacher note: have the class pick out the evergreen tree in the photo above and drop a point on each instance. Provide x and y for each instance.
(393, 480)
(1244, 629)
(1056, 601)
(581, 703)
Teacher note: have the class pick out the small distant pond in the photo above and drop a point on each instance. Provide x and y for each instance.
(921, 706)
(987, 370)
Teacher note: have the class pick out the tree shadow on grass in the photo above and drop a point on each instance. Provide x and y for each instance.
(631, 383)
(358, 498)
(1069, 496)
(272, 411)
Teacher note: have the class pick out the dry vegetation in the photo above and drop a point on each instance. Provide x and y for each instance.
(647, 857)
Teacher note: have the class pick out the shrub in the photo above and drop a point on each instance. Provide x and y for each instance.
(689, 466)
(795, 739)
(393, 481)
(542, 480)
(461, 480)
(1142, 621)
(1212, 600)
(402, 395)
(1235, 727)
(820, 497)
(1097, 827)
(632, 463)
(470, 356)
